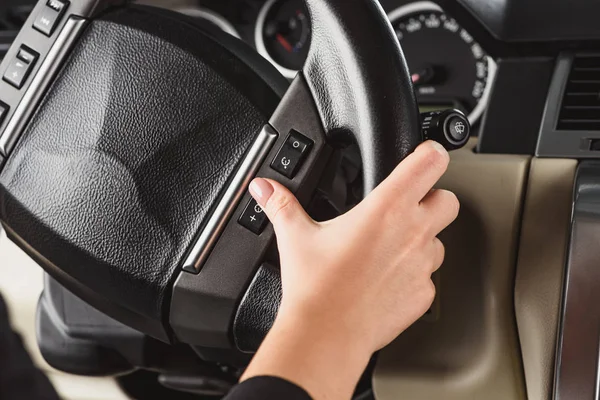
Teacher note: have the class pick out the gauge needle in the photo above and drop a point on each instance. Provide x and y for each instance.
(424, 76)
(284, 42)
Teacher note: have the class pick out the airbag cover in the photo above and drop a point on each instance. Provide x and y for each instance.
(121, 164)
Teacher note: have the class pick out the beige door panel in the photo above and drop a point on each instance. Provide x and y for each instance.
(21, 283)
(471, 349)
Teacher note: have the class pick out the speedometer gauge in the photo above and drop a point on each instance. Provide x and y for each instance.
(449, 68)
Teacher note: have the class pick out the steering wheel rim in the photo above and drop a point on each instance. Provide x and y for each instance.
(355, 87)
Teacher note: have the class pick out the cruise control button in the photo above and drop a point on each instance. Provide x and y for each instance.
(26, 55)
(292, 154)
(253, 218)
(17, 72)
(48, 18)
(3, 111)
(298, 142)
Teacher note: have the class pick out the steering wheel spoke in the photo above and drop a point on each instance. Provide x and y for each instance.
(226, 273)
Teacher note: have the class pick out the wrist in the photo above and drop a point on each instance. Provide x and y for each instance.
(334, 337)
(332, 329)
(317, 356)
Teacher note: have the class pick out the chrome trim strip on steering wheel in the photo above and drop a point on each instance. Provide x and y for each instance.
(232, 196)
(64, 42)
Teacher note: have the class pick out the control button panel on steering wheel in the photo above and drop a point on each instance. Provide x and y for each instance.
(20, 67)
(253, 218)
(292, 154)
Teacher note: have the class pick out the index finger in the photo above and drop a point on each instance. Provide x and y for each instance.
(414, 177)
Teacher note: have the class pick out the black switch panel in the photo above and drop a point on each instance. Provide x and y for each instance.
(49, 17)
(3, 111)
(20, 67)
(253, 218)
(292, 154)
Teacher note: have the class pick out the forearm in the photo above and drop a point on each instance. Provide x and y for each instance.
(326, 365)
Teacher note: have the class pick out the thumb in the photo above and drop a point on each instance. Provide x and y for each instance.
(281, 206)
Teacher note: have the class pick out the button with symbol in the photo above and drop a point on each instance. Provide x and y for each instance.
(253, 218)
(27, 55)
(20, 67)
(48, 18)
(457, 128)
(291, 155)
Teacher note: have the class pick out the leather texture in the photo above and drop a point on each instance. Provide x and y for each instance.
(129, 150)
(258, 309)
(360, 81)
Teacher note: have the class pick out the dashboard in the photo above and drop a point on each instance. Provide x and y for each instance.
(449, 68)
(537, 80)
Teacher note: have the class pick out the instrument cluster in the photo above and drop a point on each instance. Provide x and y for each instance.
(449, 68)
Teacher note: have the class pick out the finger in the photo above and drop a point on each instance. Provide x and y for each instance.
(281, 206)
(439, 253)
(441, 208)
(415, 176)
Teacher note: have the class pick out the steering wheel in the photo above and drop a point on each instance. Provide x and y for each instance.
(128, 146)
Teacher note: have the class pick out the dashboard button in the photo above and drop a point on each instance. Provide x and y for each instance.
(458, 128)
(17, 72)
(3, 111)
(48, 18)
(292, 154)
(253, 218)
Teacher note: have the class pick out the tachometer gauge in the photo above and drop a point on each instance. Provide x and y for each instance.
(449, 68)
(283, 34)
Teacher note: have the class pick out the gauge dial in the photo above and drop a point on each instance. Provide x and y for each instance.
(449, 68)
(283, 34)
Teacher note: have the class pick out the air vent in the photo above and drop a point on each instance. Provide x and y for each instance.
(580, 110)
(11, 21)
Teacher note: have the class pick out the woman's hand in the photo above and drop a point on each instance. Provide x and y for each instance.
(353, 284)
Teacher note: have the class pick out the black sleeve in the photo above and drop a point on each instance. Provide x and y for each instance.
(19, 378)
(267, 388)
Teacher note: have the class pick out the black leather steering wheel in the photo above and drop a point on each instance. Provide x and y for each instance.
(126, 156)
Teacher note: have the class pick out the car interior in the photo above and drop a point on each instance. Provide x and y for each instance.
(136, 265)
